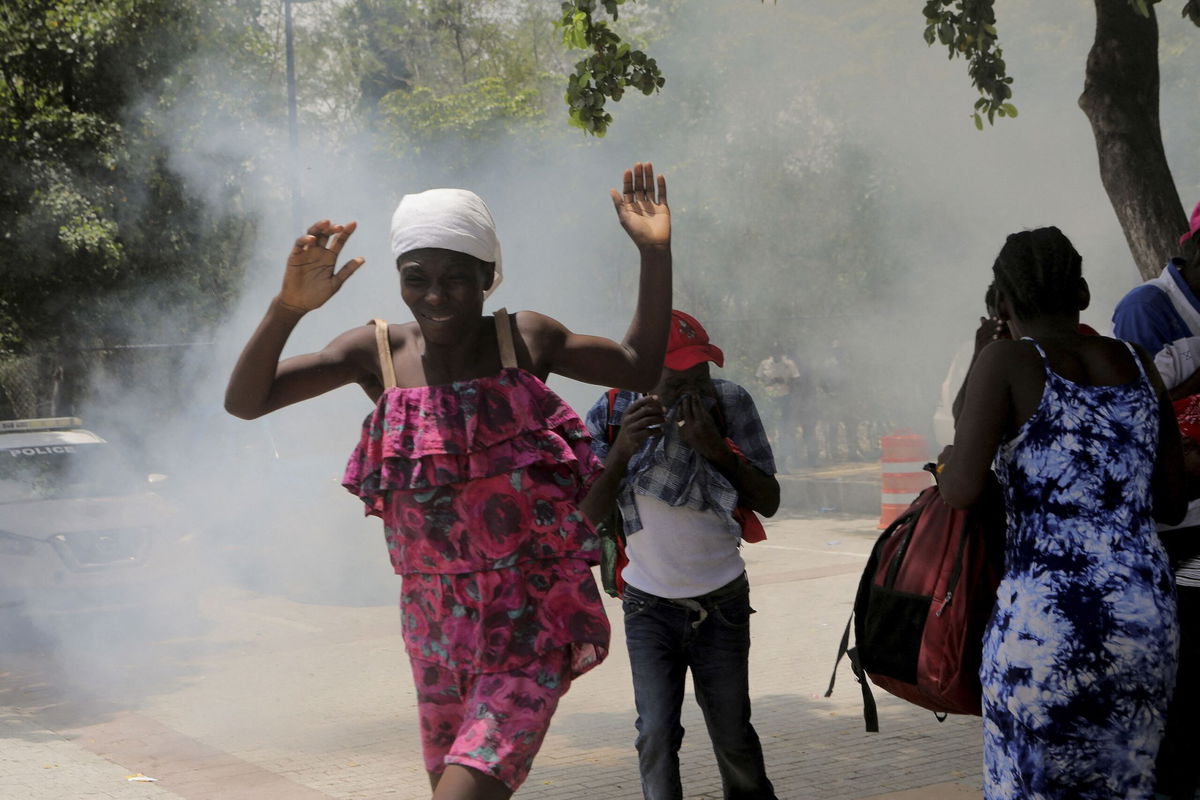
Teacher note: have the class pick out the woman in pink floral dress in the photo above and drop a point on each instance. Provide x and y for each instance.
(476, 467)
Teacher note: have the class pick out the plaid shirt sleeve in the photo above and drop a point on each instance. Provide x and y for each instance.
(597, 425)
(598, 420)
(744, 425)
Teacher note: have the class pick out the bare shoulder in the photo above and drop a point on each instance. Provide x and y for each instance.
(1111, 344)
(403, 335)
(541, 333)
(1007, 355)
(1149, 367)
(535, 323)
(363, 336)
(1142, 353)
(350, 350)
(1115, 360)
(1147, 362)
(1004, 366)
(359, 346)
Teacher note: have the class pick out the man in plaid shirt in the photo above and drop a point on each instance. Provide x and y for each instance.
(685, 457)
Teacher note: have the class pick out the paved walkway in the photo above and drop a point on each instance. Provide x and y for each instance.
(276, 700)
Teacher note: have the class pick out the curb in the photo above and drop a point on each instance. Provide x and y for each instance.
(846, 488)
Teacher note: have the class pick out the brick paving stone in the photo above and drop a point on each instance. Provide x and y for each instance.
(38, 764)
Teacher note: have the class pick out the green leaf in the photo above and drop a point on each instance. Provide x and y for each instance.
(978, 121)
(575, 33)
(1009, 109)
(1191, 10)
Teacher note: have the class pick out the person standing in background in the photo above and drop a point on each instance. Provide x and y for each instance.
(1162, 315)
(780, 379)
(843, 408)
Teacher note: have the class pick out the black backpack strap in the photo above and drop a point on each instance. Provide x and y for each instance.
(906, 518)
(870, 712)
(843, 648)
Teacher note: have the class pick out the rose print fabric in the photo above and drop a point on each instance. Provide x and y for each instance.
(1079, 656)
(493, 722)
(478, 484)
(494, 620)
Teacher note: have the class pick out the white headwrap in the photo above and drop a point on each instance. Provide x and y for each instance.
(451, 219)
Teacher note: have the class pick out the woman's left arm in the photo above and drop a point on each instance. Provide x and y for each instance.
(755, 488)
(1168, 490)
(636, 362)
(963, 468)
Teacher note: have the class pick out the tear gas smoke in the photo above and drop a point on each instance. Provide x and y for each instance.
(827, 186)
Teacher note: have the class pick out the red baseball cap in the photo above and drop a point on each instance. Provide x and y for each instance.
(1194, 226)
(688, 344)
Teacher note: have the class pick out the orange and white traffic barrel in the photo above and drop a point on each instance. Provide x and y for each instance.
(903, 456)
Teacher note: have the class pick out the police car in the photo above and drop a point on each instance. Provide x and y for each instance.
(79, 528)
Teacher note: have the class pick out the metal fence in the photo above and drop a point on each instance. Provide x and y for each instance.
(61, 383)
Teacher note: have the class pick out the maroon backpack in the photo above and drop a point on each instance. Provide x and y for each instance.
(923, 602)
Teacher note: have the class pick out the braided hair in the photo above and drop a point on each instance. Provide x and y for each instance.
(1039, 272)
(990, 299)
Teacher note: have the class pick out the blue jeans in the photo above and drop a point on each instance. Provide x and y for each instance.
(710, 635)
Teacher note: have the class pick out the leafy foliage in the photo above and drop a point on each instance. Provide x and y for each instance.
(85, 89)
(480, 107)
(604, 74)
(429, 72)
(967, 28)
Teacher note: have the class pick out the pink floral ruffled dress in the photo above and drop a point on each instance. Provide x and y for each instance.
(478, 483)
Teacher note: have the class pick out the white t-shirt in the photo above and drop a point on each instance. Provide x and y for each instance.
(1178, 360)
(680, 552)
(943, 417)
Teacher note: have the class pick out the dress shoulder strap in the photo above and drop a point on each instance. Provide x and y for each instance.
(1136, 359)
(508, 355)
(387, 368)
(1041, 352)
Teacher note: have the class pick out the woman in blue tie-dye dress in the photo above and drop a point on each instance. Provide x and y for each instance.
(1079, 655)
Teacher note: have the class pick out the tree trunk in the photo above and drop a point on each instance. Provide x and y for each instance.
(1120, 98)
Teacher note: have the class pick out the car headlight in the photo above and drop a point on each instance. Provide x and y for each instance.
(13, 545)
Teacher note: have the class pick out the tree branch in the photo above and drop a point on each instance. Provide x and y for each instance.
(605, 73)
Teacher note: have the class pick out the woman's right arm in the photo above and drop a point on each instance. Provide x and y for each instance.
(260, 383)
(990, 330)
(964, 468)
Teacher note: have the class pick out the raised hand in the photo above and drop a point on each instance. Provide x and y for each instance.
(310, 278)
(644, 217)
